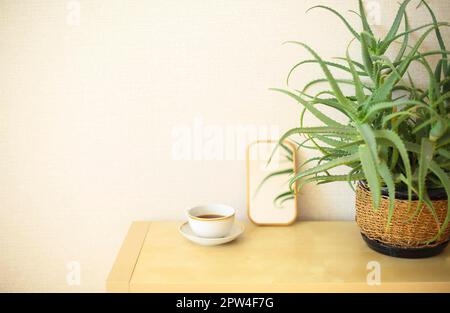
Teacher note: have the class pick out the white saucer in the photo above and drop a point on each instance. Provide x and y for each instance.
(187, 232)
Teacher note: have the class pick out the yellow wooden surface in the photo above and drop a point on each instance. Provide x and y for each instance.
(305, 257)
(120, 275)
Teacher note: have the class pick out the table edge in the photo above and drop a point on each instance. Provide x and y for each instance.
(352, 287)
(122, 270)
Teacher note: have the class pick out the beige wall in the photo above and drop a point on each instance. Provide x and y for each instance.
(90, 109)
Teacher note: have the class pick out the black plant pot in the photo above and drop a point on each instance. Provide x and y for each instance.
(410, 253)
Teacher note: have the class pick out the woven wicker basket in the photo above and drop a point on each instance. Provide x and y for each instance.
(401, 234)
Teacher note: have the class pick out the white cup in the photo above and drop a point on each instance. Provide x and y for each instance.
(211, 227)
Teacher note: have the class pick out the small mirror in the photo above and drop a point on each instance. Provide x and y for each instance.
(269, 201)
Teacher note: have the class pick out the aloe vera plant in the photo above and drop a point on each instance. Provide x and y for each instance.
(397, 135)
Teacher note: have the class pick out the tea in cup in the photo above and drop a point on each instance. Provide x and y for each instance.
(211, 221)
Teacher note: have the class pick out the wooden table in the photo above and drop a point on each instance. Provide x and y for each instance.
(305, 257)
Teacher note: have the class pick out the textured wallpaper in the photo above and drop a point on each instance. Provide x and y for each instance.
(114, 111)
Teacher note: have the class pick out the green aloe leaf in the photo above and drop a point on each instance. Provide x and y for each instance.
(388, 118)
(317, 113)
(329, 141)
(384, 60)
(402, 50)
(355, 175)
(347, 24)
(394, 28)
(282, 198)
(438, 129)
(338, 80)
(345, 103)
(443, 141)
(359, 89)
(272, 175)
(443, 97)
(433, 90)
(370, 172)
(398, 143)
(423, 125)
(330, 102)
(331, 131)
(426, 156)
(410, 31)
(413, 87)
(386, 174)
(445, 153)
(368, 135)
(445, 180)
(383, 92)
(367, 59)
(426, 200)
(365, 23)
(355, 63)
(438, 71)
(331, 64)
(438, 35)
(310, 160)
(330, 178)
(376, 108)
(350, 147)
(427, 54)
(325, 166)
